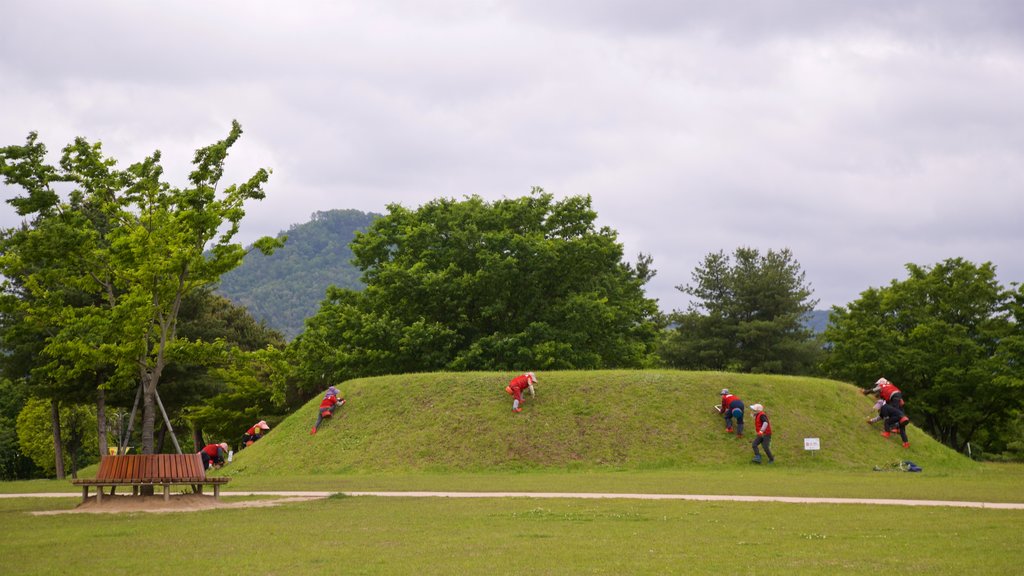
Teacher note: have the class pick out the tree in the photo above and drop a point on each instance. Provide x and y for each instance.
(14, 463)
(78, 427)
(746, 316)
(950, 337)
(141, 245)
(472, 285)
(248, 379)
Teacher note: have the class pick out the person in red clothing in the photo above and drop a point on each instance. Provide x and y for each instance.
(732, 407)
(517, 385)
(214, 454)
(331, 402)
(894, 418)
(254, 433)
(887, 391)
(764, 434)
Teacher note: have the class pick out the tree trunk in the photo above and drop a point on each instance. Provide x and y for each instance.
(160, 440)
(197, 438)
(74, 461)
(58, 447)
(148, 420)
(101, 421)
(148, 417)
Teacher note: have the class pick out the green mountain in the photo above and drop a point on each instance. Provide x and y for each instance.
(817, 320)
(287, 287)
(594, 420)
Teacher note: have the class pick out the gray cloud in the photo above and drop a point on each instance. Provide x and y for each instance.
(862, 135)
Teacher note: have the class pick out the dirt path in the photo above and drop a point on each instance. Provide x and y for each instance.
(297, 496)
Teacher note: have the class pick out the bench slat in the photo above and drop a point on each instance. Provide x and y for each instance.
(136, 469)
(196, 469)
(121, 469)
(106, 464)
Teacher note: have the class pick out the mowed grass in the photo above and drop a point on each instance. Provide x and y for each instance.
(370, 535)
(622, 432)
(579, 421)
(986, 483)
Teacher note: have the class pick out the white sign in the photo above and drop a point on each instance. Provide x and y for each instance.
(812, 444)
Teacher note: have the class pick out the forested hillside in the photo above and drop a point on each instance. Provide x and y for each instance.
(287, 287)
(817, 320)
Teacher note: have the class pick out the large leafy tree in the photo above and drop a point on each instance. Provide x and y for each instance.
(747, 315)
(461, 285)
(138, 247)
(245, 382)
(950, 337)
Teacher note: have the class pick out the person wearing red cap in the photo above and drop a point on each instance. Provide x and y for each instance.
(332, 401)
(517, 385)
(254, 433)
(214, 454)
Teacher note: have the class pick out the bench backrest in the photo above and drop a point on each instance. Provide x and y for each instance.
(152, 468)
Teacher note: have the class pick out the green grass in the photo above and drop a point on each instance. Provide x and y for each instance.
(986, 483)
(608, 431)
(367, 535)
(600, 420)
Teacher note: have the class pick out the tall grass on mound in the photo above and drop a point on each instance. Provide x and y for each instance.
(614, 419)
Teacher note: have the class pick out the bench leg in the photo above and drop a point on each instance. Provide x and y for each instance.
(167, 492)
(216, 491)
(85, 494)
(99, 495)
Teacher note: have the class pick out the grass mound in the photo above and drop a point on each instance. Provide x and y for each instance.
(615, 419)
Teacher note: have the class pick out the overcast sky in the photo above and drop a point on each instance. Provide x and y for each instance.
(862, 135)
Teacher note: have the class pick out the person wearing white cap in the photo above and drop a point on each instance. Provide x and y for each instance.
(764, 434)
(887, 391)
(214, 454)
(517, 385)
(254, 433)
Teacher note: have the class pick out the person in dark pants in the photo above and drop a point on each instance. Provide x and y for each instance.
(894, 418)
(764, 434)
(330, 403)
(214, 454)
(732, 407)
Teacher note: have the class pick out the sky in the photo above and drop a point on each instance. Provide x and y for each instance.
(861, 135)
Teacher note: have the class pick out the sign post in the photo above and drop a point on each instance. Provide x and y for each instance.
(812, 444)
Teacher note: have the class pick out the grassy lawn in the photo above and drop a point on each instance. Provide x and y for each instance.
(987, 483)
(367, 535)
(613, 431)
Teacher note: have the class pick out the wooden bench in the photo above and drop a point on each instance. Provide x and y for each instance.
(137, 470)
